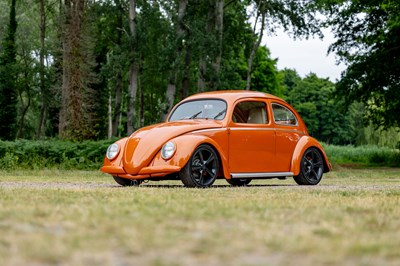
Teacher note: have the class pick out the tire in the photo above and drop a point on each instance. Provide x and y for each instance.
(127, 182)
(311, 168)
(238, 182)
(202, 168)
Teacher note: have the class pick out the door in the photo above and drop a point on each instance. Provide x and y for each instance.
(251, 138)
(287, 135)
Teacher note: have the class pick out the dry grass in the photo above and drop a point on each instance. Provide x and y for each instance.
(351, 218)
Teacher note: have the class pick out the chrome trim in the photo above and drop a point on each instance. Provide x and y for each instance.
(209, 129)
(273, 114)
(266, 129)
(261, 175)
(251, 128)
(290, 130)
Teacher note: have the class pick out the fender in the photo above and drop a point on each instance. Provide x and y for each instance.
(303, 144)
(185, 146)
(114, 166)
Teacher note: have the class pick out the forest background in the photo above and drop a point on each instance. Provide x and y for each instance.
(93, 70)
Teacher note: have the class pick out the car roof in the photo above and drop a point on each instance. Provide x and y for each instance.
(232, 95)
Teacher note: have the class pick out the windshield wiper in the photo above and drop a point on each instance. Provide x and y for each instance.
(220, 113)
(195, 115)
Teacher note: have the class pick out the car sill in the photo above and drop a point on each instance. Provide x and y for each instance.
(261, 175)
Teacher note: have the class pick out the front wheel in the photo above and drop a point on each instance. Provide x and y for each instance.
(311, 168)
(127, 182)
(202, 168)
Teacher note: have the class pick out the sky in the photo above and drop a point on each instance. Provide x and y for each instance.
(305, 56)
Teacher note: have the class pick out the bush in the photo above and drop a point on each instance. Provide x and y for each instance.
(29, 154)
(363, 155)
(89, 155)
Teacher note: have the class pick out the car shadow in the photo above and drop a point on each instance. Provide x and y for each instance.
(212, 187)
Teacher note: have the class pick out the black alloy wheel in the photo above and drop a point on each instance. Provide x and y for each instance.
(201, 169)
(311, 168)
(127, 182)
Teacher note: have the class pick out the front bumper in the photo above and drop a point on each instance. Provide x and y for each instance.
(145, 172)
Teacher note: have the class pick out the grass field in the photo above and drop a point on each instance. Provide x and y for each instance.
(82, 218)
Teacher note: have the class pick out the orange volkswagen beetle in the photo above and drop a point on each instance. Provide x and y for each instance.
(235, 135)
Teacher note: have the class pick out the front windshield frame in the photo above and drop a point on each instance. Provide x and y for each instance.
(200, 113)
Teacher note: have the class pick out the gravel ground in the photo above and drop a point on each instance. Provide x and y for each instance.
(96, 185)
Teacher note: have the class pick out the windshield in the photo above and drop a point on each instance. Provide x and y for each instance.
(200, 109)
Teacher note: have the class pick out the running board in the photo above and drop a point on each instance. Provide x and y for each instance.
(261, 175)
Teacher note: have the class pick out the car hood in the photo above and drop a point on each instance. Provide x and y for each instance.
(145, 143)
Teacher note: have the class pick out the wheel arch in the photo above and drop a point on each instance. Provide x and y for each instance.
(186, 145)
(304, 143)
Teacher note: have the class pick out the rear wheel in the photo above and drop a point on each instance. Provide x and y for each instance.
(240, 182)
(201, 169)
(127, 182)
(311, 168)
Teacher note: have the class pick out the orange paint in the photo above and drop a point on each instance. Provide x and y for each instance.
(259, 133)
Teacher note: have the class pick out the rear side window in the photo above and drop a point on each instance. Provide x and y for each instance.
(250, 113)
(283, 116)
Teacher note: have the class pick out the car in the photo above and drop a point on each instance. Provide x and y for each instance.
(233, 135)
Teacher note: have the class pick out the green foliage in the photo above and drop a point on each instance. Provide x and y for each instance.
(89, 155)
(367, 155)
(368, 37)
(265, 76)
(297, 18)
(8, 86)
(312, 98)
(26, 154)
(379, 137)
(361, 39)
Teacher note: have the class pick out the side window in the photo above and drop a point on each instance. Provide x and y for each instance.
(250, 113)
(283, 116)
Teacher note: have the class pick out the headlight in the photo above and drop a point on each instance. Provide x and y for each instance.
(168, 150)
(112, 151)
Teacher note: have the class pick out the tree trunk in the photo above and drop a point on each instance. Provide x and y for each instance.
(171, 87)
(8, 77)
(65, 95)
(110, 120)
(219, 24)
(203, 69)
(215, 21)
(141, 107)
(75, 116)
(133, 70)
(25, 88)
(255, 47)
(170, 94)
(42, 85)
(23, 110)
(186, 74)
(117, 104)
(118, 83)
(201, 79)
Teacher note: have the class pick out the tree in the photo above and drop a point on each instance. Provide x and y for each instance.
(133, 69)
(176, 57)
(368, 40)
(265, 76)
(210, 53)
(42, 70)
(312, 98)
(8, 87)
(76, 116)
(77, 60)
(297, 18)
